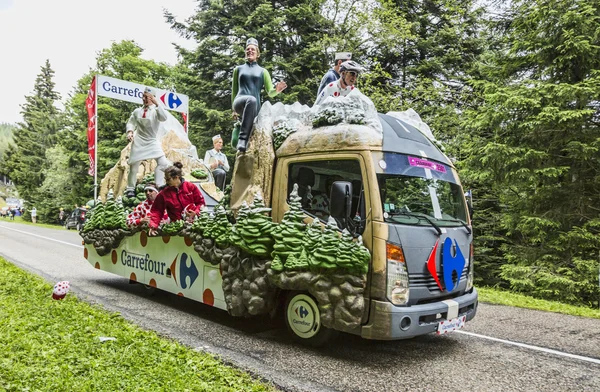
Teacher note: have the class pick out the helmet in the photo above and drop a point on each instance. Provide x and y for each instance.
(350, 66)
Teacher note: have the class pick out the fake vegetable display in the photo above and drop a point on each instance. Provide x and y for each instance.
(199, 173)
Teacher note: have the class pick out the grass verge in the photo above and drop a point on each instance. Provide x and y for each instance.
(501, 297)
(50, 345)
(19, 219)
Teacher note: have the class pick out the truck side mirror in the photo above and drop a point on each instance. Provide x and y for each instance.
(469, 197)
(340, 201)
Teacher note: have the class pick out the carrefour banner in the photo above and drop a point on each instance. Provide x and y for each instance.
(132, 92)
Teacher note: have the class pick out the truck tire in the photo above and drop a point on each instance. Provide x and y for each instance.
(303, 320)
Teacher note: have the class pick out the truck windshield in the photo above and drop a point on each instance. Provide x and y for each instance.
(422, 201)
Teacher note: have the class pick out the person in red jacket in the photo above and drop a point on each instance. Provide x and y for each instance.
(181, 199)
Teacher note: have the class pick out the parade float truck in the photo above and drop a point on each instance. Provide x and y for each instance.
(339, 219)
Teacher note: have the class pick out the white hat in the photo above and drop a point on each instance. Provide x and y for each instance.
(343, 56)
(252, 41)
(216, 137)
(150, 90)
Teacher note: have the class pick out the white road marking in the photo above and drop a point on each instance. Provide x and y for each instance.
(41, 236)
(536, 348)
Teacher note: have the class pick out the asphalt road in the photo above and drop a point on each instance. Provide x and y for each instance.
(503, 348)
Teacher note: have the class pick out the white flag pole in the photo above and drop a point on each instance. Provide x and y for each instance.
(96, 140)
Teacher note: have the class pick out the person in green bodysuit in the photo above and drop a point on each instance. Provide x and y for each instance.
(248, 81)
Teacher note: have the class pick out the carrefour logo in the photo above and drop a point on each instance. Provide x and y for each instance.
(186, 273)
(301, 311)
(452, 263)
(171, 100)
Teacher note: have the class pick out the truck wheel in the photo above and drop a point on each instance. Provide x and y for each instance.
(303, 320)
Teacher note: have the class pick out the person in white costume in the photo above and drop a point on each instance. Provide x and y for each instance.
(217, 162)
(142, 132)
(349, 71)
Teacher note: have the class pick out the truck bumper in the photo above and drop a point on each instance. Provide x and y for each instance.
(388, 322)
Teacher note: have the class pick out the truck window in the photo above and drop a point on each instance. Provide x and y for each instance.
(314, 179)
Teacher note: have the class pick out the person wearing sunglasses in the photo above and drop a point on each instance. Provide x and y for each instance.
(349, 71)
(141, 213)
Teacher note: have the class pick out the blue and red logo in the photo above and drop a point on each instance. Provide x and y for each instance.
(301, 311)
(452, 263)
(171, 100)
(185, 271)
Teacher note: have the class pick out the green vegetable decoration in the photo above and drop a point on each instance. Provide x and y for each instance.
(345, 255)
(280, 133)
(362, 255)
(289, 233)
(113, 215)
(172, 228)
(255, 228)
(96, 216)
(220, 228)
(326, 252)
(297, 262)
(201, 221)
(235, 237)
(148, 178)
(199, 173)
(276, 265)
(311, 240)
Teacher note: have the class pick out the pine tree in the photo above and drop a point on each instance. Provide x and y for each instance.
(535, 142)
(325, 255)
(26, 161)
(255, 229)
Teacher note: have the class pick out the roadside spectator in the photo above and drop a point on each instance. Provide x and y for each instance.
(334, 73)
(61, 216)
(34, 215)
(13, 212)
(141, 213)
(217, 162)
(181, 199)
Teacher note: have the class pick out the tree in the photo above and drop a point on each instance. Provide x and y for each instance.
(25, 162)
(535, 140)
(297, 40)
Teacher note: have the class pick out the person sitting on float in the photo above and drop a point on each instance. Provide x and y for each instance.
(349, 71)
(248, 81)
(181, 199)
(217, 162)
(141, 213)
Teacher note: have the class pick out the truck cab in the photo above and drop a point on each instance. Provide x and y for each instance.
(405, 199)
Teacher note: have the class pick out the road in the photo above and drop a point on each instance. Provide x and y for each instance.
(503, 348)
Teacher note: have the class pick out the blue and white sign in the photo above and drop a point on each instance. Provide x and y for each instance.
(132, 92)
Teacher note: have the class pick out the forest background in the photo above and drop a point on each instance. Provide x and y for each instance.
(512, 91)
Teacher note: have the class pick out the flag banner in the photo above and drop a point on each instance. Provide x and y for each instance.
(90, 103)
(132, 92)
(185, 121)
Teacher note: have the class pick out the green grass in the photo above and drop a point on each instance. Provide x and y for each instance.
(19, 219)
(50, 345)
(501, 297)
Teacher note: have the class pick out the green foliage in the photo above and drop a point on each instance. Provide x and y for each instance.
(25, 161)
(534, 148)
(6, 137)
(253, 229)
(55, 345)
(199, 173)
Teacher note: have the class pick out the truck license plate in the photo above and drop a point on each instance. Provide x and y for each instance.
(451, 325)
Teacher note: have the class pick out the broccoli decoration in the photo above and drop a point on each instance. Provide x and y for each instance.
(199, 174)
(255, 228)
(220, 228)
(280, 133)
(201, 221)
(172, 228)
(289, 233)
(325, 255)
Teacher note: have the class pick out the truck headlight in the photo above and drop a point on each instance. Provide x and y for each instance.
(397, 275)
(470, 273)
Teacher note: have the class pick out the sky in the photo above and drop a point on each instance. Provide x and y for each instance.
(70, 33)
